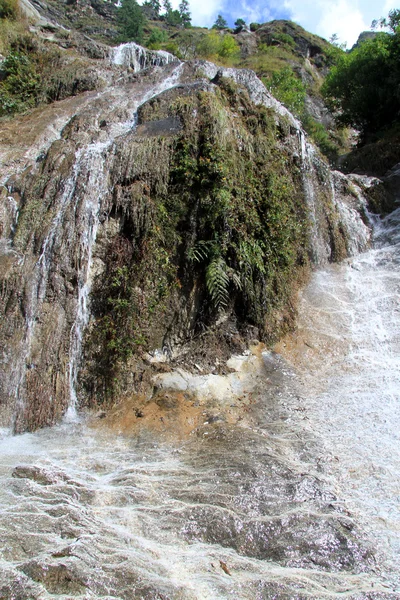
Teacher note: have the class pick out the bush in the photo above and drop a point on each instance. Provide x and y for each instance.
(217, 45)
(288, 89)
(21, 83)
(9, 9)
(320, 136)
(157, 38)
(228, 46)
(188, 43)
(34, 73)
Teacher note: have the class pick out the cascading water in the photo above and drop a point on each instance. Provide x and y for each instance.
(348, 352)
(95, 163)
(85, 189)
(138, 58)
(96, 187)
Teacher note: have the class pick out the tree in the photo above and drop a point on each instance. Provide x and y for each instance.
(173, 18)
(334, 40)
(240, 24)
(131, 21)
(220, 23)
(363, 86)
(167, 6)
(392, 22)
(189, 43)
(184, 13)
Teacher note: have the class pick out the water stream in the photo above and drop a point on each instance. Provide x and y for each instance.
(348, 353)
(288, 502)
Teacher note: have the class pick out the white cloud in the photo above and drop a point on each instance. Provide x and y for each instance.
(346, 18)
(342, 18)
(389, 4)
(204, 12)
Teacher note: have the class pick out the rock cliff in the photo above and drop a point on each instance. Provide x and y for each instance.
(178, 198)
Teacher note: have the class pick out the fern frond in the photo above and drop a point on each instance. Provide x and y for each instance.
(217, 281)
(235, 278)
(200, 251)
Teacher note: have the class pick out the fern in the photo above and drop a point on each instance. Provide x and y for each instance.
(235, 278)
(200, 251)
(252, 253)
(217, 281)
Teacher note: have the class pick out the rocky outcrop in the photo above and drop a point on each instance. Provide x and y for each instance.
(170, 201)
(307, 45)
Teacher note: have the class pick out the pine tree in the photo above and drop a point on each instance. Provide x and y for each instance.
(240, 24)
(167, 7)
(220, 23)
(131, 21)
(184, 13)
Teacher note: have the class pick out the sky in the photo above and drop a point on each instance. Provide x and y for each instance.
(345, 18)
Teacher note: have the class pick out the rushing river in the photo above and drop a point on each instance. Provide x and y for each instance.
(298, 497)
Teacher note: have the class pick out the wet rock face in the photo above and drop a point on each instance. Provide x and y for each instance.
(209, 199)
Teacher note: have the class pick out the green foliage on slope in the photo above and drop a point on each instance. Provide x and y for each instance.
(35, 73)
(288, 89)
(363, 87)
(9, 9)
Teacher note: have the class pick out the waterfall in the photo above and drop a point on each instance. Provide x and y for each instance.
(93, 168)
(79, 203)
(138, 58)
(278, 479)
(334, 186)
(348, 356)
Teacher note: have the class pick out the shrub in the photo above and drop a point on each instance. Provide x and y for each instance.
(216, 44)
(156, 39)
(9, 9)
(20, 86)
(320, 136)
(288, 89)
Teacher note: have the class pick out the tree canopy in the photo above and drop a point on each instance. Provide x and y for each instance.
(220, 23)
(184, 13)
(131, 21)
(363, 87)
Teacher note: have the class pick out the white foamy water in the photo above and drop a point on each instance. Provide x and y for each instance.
(138, 58)
(350, 365)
